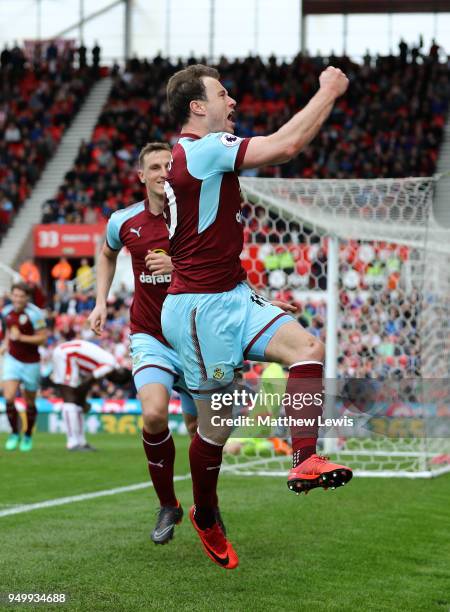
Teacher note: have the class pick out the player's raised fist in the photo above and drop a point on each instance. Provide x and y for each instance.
(335, 80)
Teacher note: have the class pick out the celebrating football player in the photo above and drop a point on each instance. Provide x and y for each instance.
(141, 228)
(211, 317)
(24, 330)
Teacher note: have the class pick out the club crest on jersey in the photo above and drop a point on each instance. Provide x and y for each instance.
(136, 231)
(218, 374)
(230, 140)
(155, 279)
(23, 319)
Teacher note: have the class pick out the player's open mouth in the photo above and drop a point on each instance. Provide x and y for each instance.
(231, 117)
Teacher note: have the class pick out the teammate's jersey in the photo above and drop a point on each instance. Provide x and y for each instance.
(29, 320)
(140, 231)
(72, 360)
(204, 213)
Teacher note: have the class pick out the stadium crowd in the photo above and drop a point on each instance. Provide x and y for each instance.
(389, 124)
(39, 95)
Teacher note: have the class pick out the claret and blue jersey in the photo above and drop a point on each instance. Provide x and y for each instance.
(211, 316)
(204, 206)
(21, 362)
(29, 320)
(138, 229)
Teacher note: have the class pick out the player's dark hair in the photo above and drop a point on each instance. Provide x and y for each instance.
(150, 147)
(187, 85)
(22, 287)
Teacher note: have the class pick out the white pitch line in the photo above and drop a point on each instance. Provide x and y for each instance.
(61, 501)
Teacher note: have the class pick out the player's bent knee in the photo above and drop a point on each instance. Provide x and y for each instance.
(214, 436)
(154, 425)
(292, 344)
(154, 414)
(155, 419)
(154, 399)
(312, 351)
(9, 391)
(215, 430)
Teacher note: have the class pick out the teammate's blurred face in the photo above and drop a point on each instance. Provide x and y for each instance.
(219, 107)
(154, 172)
(19, 299)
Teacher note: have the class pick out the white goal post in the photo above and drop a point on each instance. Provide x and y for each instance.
(370, 269)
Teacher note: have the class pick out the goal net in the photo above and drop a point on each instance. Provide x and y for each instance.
(369, 269)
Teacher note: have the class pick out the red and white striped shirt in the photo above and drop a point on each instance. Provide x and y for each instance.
(78, 358)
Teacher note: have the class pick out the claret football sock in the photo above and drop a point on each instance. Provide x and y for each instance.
(160, 451)
(13, 417)
(31, 418)
(304, 386)
(205, 459)
(302, 449)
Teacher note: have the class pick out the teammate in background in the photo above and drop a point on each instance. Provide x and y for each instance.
(24, 330)
(210, 316)
(156, 367)
(77, 365)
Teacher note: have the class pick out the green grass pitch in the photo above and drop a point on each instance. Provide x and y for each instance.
(378, 544)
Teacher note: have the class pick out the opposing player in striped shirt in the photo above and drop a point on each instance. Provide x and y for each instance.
(77, 365)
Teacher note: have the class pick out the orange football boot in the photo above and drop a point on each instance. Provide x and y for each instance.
(318, 471)
(215, 544)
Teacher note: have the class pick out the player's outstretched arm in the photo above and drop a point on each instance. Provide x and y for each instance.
(293, 136)
(106, 268)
